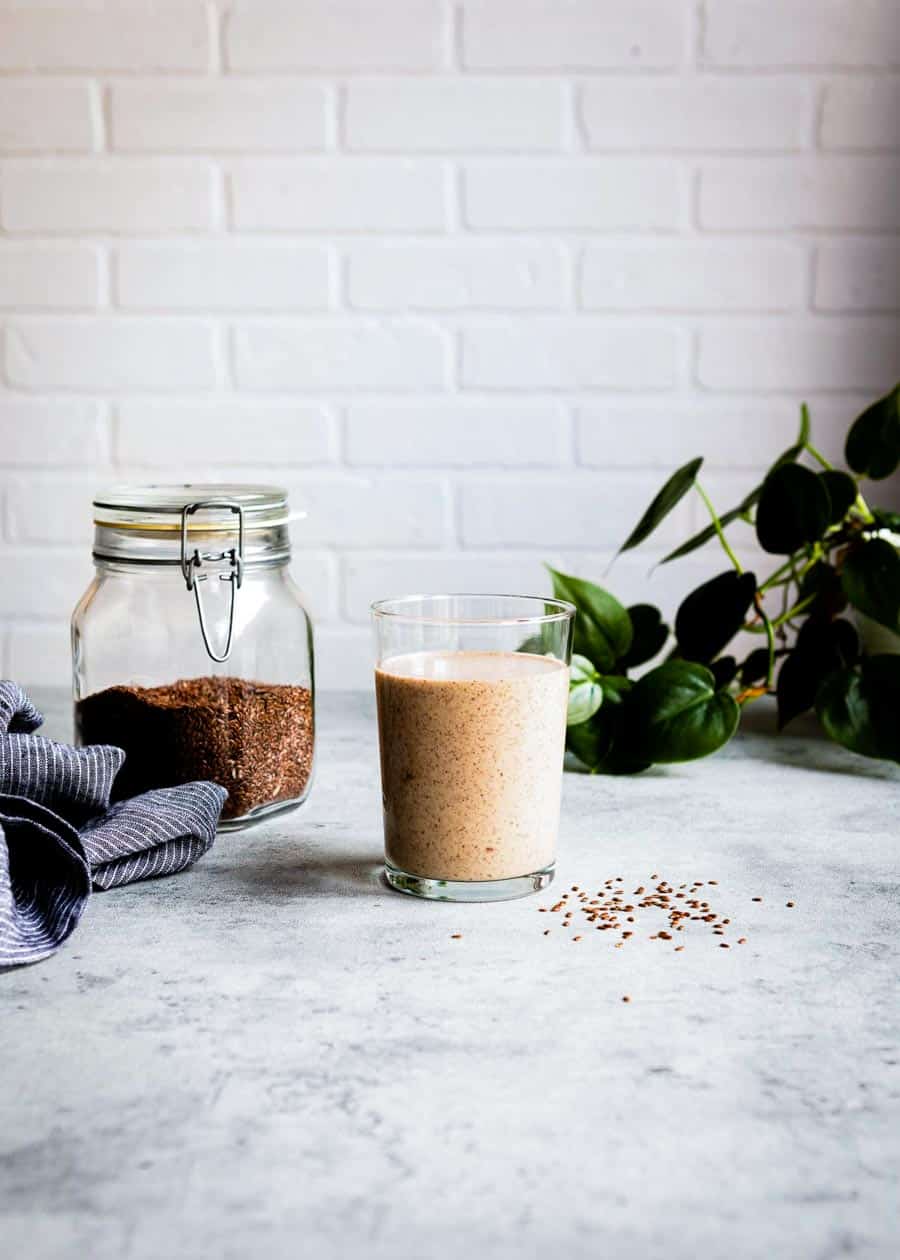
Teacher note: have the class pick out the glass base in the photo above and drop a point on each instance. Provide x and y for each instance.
(258, 815)
(468, 889)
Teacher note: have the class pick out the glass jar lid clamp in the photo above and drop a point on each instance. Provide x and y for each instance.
(193, 526)
(235, 574)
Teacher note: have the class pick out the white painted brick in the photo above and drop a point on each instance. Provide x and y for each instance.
(727, 434)
(456, 434)
(340, 356)
(125, 35)
(579, 34)
(43, 433)
(227, 432)
(270, 115)
(223, 276)
(454, 113)
(125, 197)
(340, 196)
(344, 659)
(40, 115)
(323, 35)
(110, 354)
(808, 33)
(697, 113)
(583, 195)
(694, 277)
(560, 511)
(39, 654)
(354, 511)
(455, 276)
(569, 354)
(51, 509)
(858, 276)
(816, 354)
(64, 575)
(48, 277)
(861, 114)
(801, 193)
(369, 576)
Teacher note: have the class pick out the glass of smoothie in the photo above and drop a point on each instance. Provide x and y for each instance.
(472, 693)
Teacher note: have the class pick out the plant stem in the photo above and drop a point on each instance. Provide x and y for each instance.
(717, 525)
(785, 570)
(821, 458)
(770, 638)
(863, 509)
(791, 613)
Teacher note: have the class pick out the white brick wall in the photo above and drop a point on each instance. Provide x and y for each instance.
(468, 275)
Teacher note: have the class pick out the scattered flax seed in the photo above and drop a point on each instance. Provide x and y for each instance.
(609, 908)
(457, 936)
(742, 940)
(547, 932)
(626, 998)
(756, 898)
(789, 904)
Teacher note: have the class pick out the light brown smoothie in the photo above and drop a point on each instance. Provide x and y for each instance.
(471, 762)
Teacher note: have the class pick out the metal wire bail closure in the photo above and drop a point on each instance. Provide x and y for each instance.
(235, 574)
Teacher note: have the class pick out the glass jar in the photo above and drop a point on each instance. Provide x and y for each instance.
(191, 647)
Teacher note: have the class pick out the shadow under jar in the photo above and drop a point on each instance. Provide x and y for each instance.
(192, 649)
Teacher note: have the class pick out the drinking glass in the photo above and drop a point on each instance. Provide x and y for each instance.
(472, 693)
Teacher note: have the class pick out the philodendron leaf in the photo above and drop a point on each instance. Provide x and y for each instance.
(676, 714)
(585, 691)
(871, 581)
(672, 493)
(821, 648)
(841, 491)
(649, 634)
(755, 667)
(723, 670)
(823, 583)
(600, 743)
(711, 616)
(858, 707)
(794, 508)
(591, 741)
(602, 626)
(873, 443)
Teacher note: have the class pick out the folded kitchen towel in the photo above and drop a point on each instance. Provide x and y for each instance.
(59, 835)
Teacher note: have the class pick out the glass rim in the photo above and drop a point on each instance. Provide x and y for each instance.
(393, 608)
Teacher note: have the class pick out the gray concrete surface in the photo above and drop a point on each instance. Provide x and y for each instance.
(272, 1055)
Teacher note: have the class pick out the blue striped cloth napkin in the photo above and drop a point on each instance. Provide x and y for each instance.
(59, 835)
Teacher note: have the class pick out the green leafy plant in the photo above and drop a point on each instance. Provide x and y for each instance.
(832, 555)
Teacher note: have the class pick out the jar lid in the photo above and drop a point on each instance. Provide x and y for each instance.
(160, 506)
